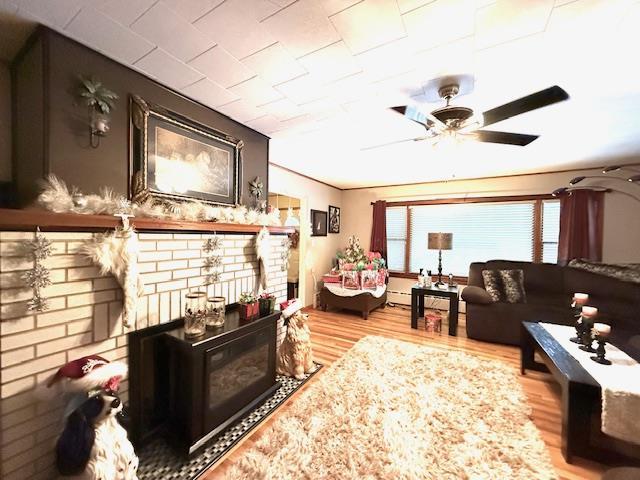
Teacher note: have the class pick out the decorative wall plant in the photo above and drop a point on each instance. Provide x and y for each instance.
(99, 101)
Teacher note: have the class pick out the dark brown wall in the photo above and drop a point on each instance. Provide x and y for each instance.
(65, 147)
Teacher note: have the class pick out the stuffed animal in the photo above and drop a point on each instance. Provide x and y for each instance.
(93, 444)
(295, 357)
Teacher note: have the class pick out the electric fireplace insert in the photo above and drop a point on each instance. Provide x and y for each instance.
(190, 389)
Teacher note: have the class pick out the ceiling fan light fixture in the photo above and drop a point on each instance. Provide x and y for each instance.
(576, 180)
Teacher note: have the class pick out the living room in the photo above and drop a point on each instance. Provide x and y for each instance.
(319, 239)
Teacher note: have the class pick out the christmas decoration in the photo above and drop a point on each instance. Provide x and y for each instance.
(262, 252)
(295, 357)
(117, 253)
(212, 260)
(93, 445)
(37, 278)
(286, 254)
(354, 253)
(57, 197)
(255, 188)
(248, 305)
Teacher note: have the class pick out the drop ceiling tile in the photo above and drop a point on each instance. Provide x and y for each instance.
(222, 67)
(171, 32)
(124, 11)
(167, 69)
(331, 63)
(282, 109)
(389, 59)
(449, 59)
(408, 5)
(369, 24)
(505, 20)
(302, 27)
(256, 91)
(440, 22)
(241, 111)
(57, 13)
(331, 7)
(349, 88)
(192, 10)
(233, 25)
(108, 36)
(209, 93)
(302, 89)
(275, 64)
(266, 124)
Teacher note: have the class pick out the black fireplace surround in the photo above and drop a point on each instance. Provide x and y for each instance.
(190, 389)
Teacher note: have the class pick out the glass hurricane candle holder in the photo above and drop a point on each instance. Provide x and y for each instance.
(195, 314)
(216, 310)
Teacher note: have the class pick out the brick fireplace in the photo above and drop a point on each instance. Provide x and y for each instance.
(85, 317)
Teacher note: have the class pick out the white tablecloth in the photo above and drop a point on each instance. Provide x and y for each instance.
(620, 383)
(337, 289)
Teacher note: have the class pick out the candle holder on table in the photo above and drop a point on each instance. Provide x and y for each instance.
(579, 300)
(602, 331)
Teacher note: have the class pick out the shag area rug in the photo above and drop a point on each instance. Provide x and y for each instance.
(394, 410)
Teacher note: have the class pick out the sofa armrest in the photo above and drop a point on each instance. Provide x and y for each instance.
(476, 295)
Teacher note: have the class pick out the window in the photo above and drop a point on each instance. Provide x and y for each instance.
(525, 230)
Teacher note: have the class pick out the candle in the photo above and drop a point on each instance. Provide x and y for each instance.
(602, 329)
(589, 312)
(580, 298)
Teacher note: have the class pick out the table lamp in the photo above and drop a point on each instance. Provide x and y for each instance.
(440, 241)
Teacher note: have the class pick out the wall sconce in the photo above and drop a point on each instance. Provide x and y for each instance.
(99, 101)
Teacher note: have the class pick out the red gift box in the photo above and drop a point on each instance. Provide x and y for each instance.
(331, 278)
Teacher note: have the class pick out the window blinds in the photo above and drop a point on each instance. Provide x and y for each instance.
(396, 238)
(550, 230)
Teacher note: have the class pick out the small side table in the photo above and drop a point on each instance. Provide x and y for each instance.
(417, 304)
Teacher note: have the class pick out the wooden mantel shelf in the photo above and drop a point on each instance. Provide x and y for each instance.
(29, 219)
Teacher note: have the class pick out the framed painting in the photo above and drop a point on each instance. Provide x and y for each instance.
(173, 157)
(334, 219)
(318, 223)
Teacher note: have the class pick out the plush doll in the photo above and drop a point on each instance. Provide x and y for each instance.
(93, 444)
(295, 357)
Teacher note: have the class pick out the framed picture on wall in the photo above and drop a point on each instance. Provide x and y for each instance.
(334, 219)
(175, 158)
(318, 223)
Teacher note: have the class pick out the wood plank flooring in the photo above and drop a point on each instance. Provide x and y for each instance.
(333, 333)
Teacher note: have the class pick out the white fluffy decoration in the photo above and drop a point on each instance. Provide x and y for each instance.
(57, 197)
(117, 253)
(263, 240)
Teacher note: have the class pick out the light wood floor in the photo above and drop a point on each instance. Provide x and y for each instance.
(333, 333)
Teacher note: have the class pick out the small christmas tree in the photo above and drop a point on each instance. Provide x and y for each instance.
(354, 253)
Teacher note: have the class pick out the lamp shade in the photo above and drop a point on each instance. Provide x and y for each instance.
(440, 241)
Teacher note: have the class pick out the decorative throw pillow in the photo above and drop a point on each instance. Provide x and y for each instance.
(505, 285)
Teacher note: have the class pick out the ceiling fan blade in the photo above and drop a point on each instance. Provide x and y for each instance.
(424, 119)
(417, 139)
(534, 101)
(507, 138)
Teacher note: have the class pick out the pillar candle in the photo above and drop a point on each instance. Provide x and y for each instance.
(580, 298)
(602, 329)
(589, 312)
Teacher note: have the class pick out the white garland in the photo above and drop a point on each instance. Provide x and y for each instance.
(57, 197)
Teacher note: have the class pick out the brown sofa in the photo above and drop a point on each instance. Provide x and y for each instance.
(549, 289)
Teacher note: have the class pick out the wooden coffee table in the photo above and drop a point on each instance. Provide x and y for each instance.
(581, 397)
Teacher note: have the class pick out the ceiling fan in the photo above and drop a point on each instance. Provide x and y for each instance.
(454, 122)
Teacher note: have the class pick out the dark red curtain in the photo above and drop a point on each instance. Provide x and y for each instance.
(379, 228)
(581, 220)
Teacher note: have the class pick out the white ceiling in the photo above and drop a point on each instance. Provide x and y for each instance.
(318, 76)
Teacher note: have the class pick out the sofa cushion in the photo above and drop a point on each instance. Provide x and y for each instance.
(537, 276)
(505, 285)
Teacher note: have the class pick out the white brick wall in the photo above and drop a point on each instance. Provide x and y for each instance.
(85, 318)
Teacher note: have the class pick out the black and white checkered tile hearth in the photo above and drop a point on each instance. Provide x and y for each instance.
(159, 461)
